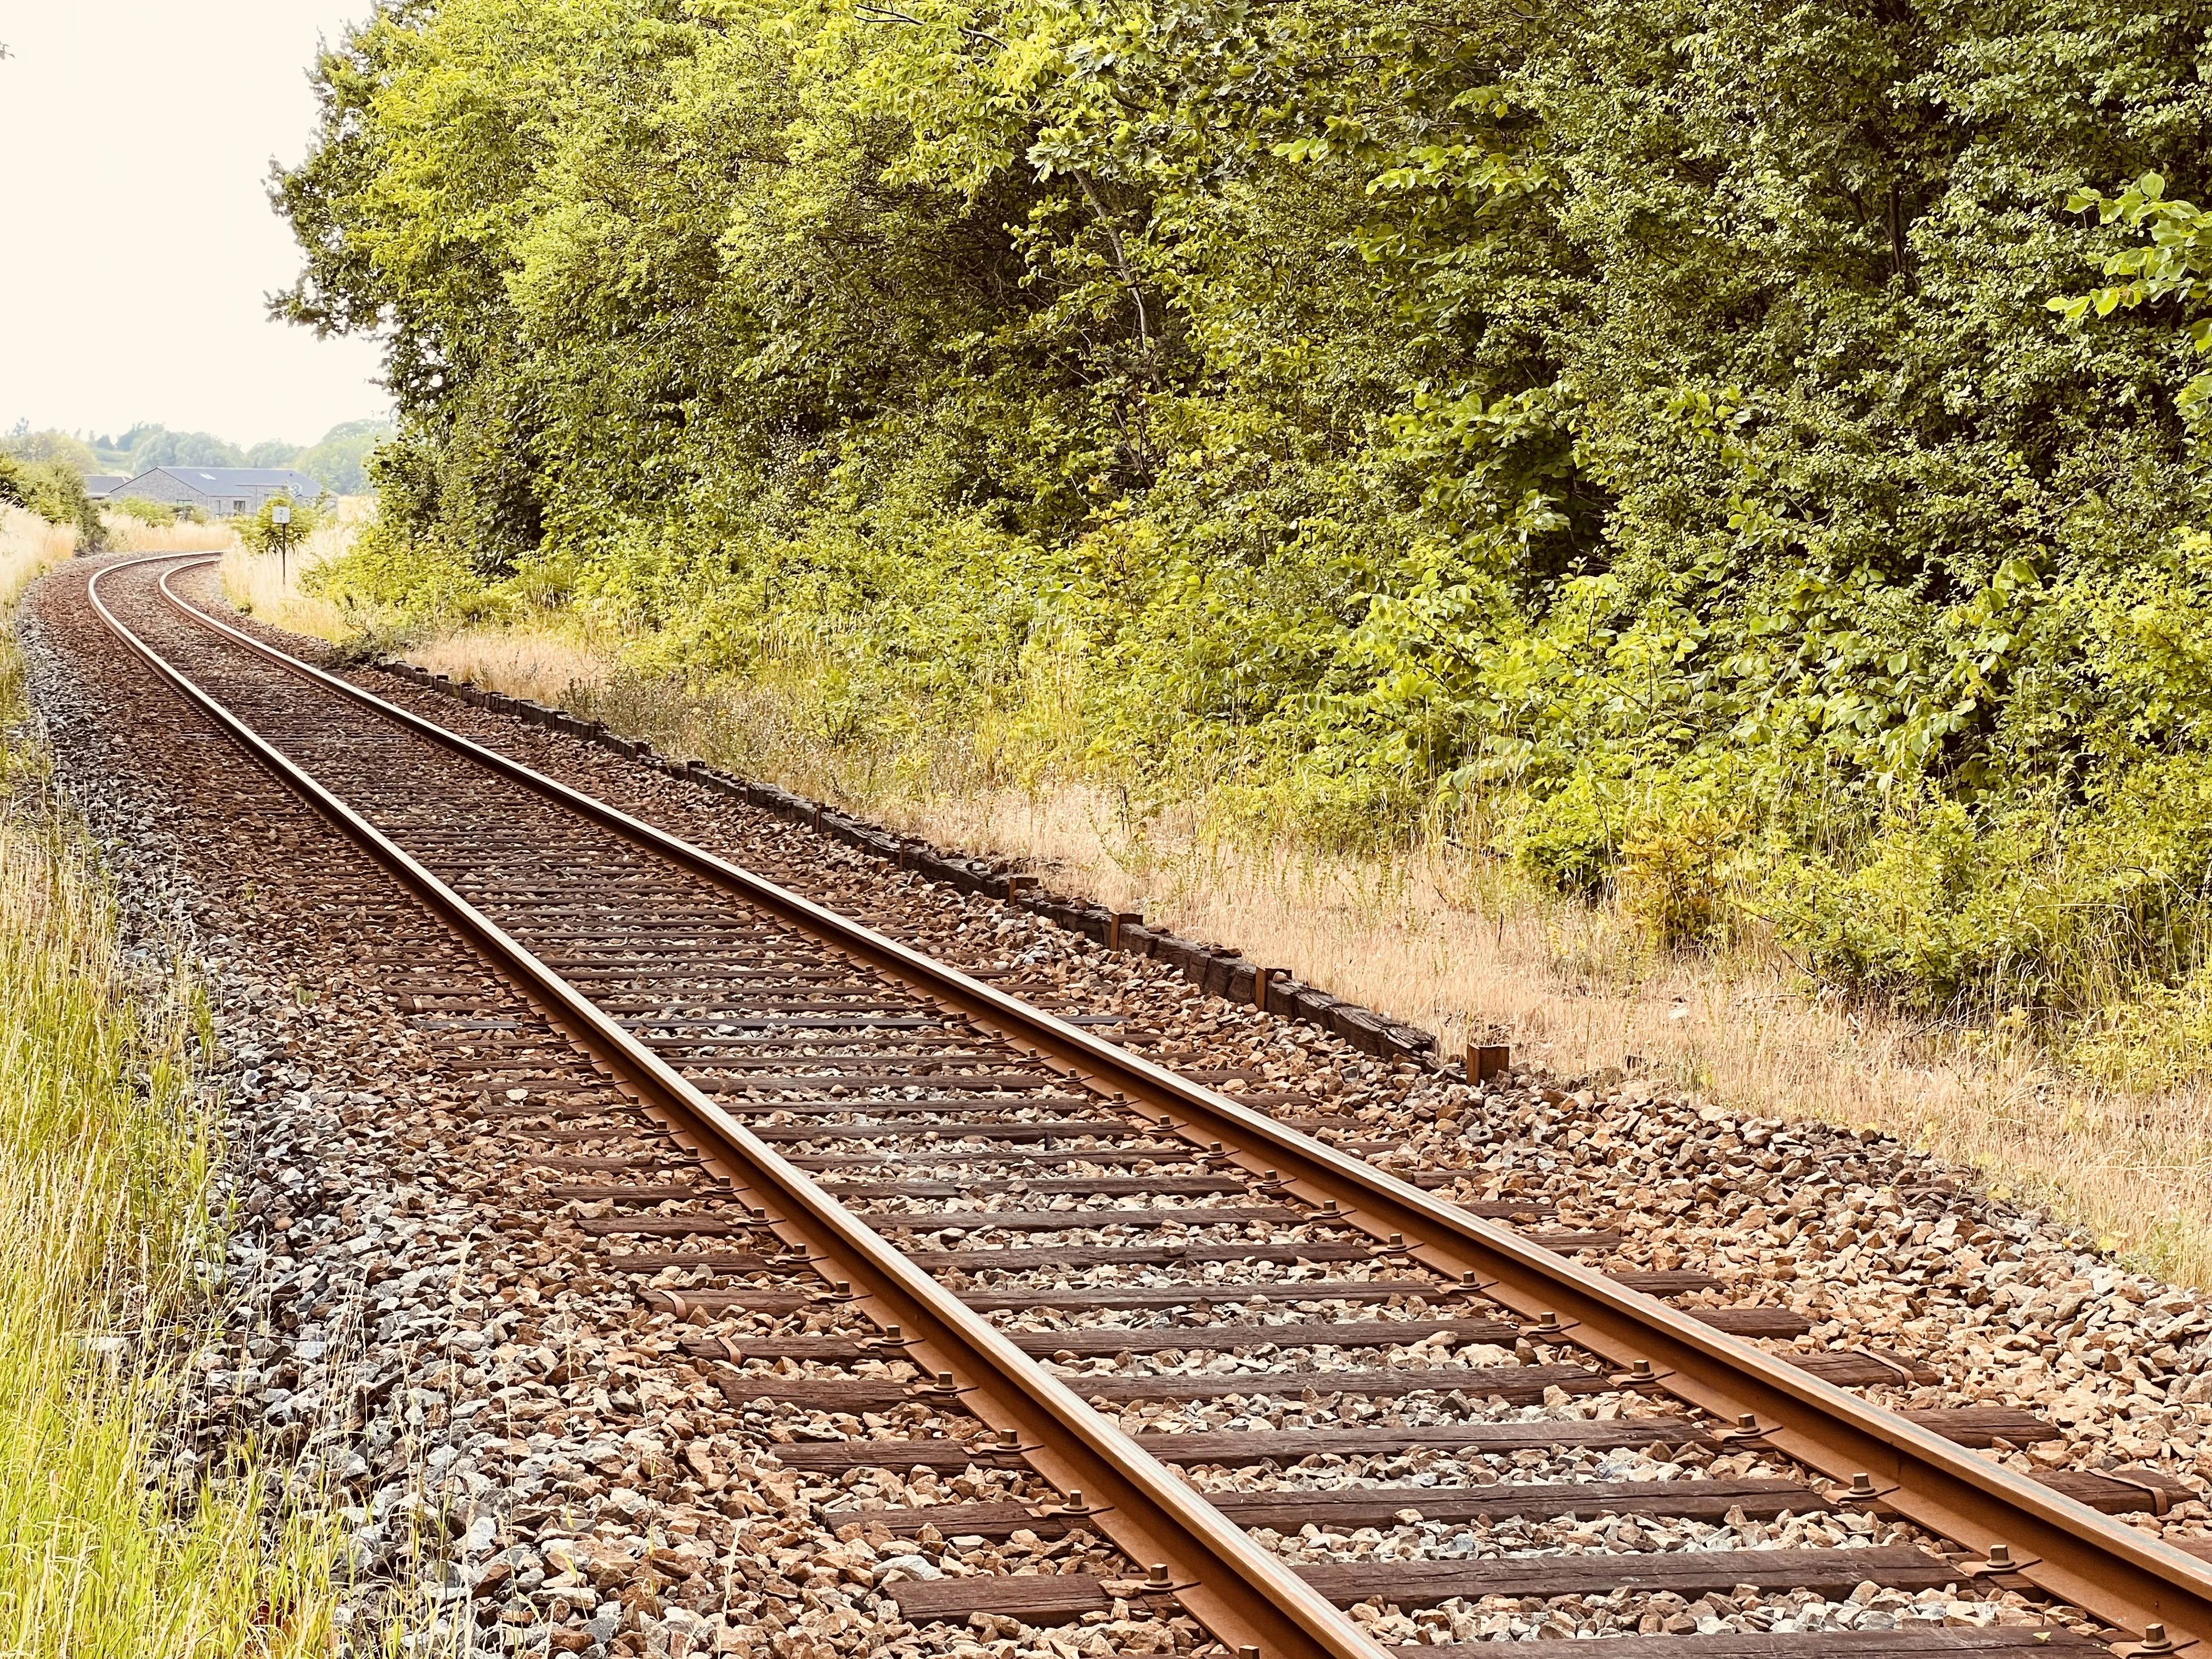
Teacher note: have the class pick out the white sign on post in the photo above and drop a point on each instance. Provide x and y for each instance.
(280, 514)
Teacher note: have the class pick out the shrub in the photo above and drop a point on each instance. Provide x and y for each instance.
(55, 491)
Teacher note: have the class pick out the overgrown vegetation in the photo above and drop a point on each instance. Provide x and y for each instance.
(55, 491)
(107, 1545)
(1638, 440)
(157, 513)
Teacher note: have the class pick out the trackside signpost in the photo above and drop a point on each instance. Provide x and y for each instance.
(281, 516)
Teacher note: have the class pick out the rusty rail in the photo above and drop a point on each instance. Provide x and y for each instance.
(1245, 1596)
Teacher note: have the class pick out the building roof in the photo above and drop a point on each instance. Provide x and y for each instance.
(216, 480)
(103, 484)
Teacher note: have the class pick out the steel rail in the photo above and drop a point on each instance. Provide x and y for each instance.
(1244, 1596)
(2061, 1546)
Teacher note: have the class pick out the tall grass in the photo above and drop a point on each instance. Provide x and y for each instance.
(29, 542)
(29, 546)
(129, 535)
(108, 1544)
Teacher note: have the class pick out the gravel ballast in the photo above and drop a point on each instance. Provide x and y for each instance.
(526, 1458)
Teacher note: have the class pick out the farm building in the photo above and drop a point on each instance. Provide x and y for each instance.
(221, 492)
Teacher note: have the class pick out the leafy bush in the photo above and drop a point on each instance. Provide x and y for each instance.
(55, 491)
(146, 512)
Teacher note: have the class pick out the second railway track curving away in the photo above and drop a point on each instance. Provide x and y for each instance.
(938, 1198)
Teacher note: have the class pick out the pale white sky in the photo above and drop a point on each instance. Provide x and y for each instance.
(137, 242)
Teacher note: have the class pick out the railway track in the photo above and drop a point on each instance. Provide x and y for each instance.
(954, 1233)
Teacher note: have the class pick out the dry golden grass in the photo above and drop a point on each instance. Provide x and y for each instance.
(29, 547)
(1455, 945)
(252, 582)
(523, 663)
(128, 535)
(26, 536)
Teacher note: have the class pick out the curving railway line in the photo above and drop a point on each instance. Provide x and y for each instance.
(981, 1236)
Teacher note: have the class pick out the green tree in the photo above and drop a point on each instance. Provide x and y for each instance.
(261, 533)
(275, 452)
(52, 446)
(147, 446)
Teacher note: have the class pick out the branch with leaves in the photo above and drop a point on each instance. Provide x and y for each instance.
(2175, 264)
(885, 14)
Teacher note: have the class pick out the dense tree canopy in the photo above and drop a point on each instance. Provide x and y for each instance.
(1645, 424)
(150, 446)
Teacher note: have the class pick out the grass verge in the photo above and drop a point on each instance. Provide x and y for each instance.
(129, 535)
(267, 585)
(108, 1544)
(1432, 935)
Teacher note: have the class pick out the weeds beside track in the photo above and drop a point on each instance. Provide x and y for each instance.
(108, 1180)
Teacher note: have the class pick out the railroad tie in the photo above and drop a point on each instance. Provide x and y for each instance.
(1046, 1221)
(1051, 1598)
(1090, 1187)
(1218, 1338)
(1288, 1513)
(1517, 1384)
(1231, 1449)
(1056, 1129)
